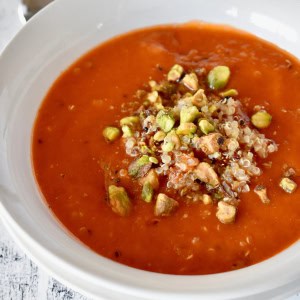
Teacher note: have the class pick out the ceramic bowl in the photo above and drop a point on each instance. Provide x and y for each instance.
(47, 45)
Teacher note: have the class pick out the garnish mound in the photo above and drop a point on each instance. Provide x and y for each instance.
(196, 139)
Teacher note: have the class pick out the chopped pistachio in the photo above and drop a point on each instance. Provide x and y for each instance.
(165, 205)
(206, 199)
(186, 128)
(154, 160)
(119, 200)
(158, 106)
(205, 126)
(218, 77)
(199, 99)
(212, 108)
(173, 138)
(165, 87)
(288, 185)
(191, 81)
(159, 136)
(229, 93)
(127, 131)
(167, 146)
(188, 114)
(261, 191)
(226, 212)
(207, 174)
(175, 73)
(154, 85)
(139, 167)
(130, 121)
(145, 149)
(165, 120)
(261, 119)
(147, 192)
(153, 96)
(152, 178)
(111, 133)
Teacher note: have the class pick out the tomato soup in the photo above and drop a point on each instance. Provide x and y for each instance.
(79, 172)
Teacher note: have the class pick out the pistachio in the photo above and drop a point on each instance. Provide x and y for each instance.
(165, 120)
(171, 141)
(165, 87)
(175, 73)
(226, 212)
(191, 81)
(207, 174)
(288, 185)
(188, 114)
(261, 191)
(119, 200)
(165, 205)
(151, 178)
(154, 160)
(167, 146)
(127, 131)
(111, 133)
(206, 199)
(153, 96)
(199, 99)
(139, 167)
(229, 93)
(261, 119)
(130, 121)
(212, 109)
(205, 126)
(159, 136)
(145, 149)
(147, 192)
(186, 128)
(218, 77)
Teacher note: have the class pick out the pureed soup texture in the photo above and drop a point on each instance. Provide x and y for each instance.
(174, 149)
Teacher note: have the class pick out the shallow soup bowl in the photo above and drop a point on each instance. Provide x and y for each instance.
(46, 46)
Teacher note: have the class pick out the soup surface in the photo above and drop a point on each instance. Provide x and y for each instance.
(74, 164)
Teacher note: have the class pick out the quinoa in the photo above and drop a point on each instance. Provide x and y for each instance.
(185, 124)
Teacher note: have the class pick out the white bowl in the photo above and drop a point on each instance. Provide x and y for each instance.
(47, 45)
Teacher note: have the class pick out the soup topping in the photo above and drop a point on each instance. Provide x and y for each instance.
(195, 140)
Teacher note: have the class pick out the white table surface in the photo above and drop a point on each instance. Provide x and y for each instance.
(20, 278)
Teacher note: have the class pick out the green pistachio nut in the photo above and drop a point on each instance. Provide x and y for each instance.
(188, 114)
(165, 206)
(127, 131)
(218, 77)
(159, 136)
(186, 128)
(168, 146)
(139, 167)
(288, 185)
(229, 93)
(261, 119)
(175, 73)
(130, 121)
(191, 81)
(119, 200)
(147, 192)
(165, 120)
(205, 126)
(111, 133)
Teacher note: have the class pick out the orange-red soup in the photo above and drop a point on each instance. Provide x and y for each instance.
(70, 156)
